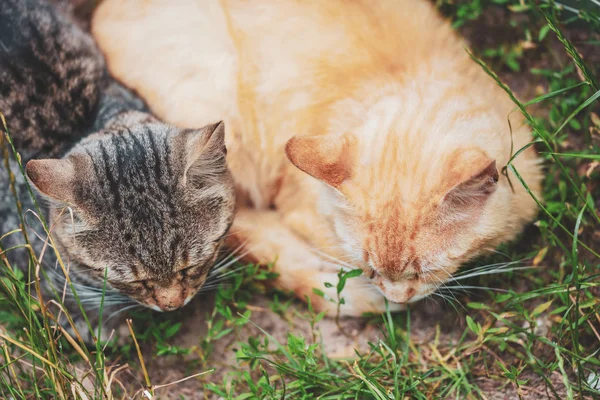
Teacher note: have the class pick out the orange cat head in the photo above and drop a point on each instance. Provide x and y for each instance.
(409, 211)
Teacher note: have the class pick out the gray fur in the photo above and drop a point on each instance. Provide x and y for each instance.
(145, 198)
(51, 77)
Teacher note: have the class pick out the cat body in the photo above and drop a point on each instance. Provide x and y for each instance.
(128, 189)
(361, 135)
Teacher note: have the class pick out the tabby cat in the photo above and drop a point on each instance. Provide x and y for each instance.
(134, 201)
(360, 134)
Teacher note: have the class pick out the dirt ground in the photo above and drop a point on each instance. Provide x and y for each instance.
(424, 317)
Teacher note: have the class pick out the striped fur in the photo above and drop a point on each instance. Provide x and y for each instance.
(51, 77)
(137, 201)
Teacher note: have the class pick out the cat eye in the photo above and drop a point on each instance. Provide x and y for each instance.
(139, 282)
(411, 276)
(374, 273)
(186, 268)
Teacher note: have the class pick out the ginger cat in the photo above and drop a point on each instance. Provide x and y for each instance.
(360, 134)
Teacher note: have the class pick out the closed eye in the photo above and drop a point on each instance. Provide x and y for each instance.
(193, 272)
(188, 268)
(373, 273)
(139, 282)
(411, 276)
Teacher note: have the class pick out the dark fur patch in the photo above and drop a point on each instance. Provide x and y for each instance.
(51, 77)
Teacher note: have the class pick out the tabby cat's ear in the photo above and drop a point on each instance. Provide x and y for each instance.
(479, 180)
(325, 157)
(205, 153)
(53, 178)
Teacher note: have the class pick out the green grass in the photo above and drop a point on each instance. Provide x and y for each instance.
(537, 337)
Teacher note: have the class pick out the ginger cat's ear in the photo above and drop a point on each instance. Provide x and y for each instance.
(326, 157)
(474, 189)
(54, 178)
(205, 152)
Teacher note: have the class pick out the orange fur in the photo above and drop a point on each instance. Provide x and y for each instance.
(377, 100)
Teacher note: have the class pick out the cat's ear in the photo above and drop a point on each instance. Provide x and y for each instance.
(479, 180)
(54, 178)
(205, 153)
(325, 157)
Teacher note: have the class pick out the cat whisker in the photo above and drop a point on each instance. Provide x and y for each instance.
(231, 233)
(446, 298)
(234, 251)
(483, 270)
(96, 305)
(225, 270)
(114, 314)
(211, 288)
(86, 290)
(440, 295)
(345, 258)
(443, 296)
(443, 269)
(346, 266)
(94, 289)
(445, 286)
(91, 295)
(217, 281)
(230, 259)
(99, 298)
(450, 301)
(82, 291)
(108, 300)
(225, 266)
(491, 250)
(224, 273)
(216, 285)
(489, 266)
(491, 272)
(462, 287)
(334, 247)
(495, 264)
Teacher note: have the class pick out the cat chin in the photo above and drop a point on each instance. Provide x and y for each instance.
(418, 297)
(402, 294)
(157, 308)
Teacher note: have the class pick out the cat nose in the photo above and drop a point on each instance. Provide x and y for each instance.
(169, 307)
(170, 299)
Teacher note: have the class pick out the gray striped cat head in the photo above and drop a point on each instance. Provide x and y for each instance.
(148, 205)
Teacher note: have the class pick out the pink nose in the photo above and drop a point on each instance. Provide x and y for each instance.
(170, 299)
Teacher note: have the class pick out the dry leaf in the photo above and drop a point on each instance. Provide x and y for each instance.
(540, 256)
(595, 119)
(591, 167)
